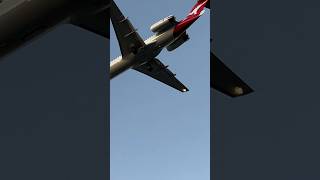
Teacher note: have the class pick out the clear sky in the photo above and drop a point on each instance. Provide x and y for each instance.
(157, 132)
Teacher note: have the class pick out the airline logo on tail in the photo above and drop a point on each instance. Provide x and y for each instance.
(194, 14)
(199, 6)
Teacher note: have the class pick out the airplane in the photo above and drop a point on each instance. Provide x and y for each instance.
(140, 54)
(21, 21)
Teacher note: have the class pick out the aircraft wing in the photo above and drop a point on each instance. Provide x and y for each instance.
(160, 72)
(225, 81)
(128, 38)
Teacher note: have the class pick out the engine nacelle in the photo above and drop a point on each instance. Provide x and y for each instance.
(163, 24)
(182, 39)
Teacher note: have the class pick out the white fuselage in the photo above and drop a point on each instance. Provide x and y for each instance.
(153, 47)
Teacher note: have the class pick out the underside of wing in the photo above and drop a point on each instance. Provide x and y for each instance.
(128, 38)
(155, 69)
(225, 81)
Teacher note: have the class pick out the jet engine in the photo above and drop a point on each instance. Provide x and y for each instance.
(175, 44)
(163, 24)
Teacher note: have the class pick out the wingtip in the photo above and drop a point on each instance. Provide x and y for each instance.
(185, 90)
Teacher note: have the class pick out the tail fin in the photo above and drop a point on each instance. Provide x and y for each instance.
(194, 14)
(198, 9)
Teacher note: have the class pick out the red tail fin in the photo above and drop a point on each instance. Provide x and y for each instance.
(198, 9)
(194, 14)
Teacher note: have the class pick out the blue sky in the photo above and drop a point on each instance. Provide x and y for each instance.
(158, 132)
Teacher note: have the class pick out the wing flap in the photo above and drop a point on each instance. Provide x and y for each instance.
(160, 72)
(225, 81)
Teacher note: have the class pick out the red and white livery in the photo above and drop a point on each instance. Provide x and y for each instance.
(140, 54)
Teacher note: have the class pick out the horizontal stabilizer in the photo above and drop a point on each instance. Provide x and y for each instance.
(225, 81)
(98, 23)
